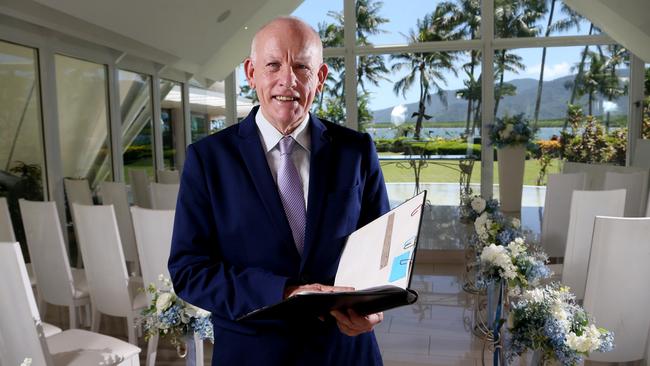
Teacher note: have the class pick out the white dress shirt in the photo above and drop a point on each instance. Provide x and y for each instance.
(270, 137)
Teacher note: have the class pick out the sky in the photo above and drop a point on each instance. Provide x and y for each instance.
(402, 15)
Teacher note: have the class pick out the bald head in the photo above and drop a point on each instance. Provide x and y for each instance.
(292, 27)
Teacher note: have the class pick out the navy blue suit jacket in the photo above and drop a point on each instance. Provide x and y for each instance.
(233, 252)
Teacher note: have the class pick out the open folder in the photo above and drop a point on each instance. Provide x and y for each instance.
(377, 261)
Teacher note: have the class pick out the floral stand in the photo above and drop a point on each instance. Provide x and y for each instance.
(511, 176)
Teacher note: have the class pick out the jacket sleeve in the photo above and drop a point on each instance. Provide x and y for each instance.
(374, 201)
(198, 272)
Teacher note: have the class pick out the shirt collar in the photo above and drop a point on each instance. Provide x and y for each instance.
(271, 136)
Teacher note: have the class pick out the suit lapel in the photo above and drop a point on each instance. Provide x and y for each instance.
(260, 173)
(318, 170)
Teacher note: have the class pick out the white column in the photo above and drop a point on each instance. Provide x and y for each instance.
(635, 97)
(487, 97)
(53, 189)
(156, 116)
(187, 132)
(349, 39)
(115, 122)
(230, 91)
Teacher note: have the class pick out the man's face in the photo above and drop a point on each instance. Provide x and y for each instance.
(286, 71)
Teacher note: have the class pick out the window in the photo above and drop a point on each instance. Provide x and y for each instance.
(83, 119)
(22, 163)
(207, 110)
(137, 130)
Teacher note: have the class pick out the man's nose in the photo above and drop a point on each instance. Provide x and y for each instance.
(288, 77)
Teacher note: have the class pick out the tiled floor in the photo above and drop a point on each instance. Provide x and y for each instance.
(434, 331)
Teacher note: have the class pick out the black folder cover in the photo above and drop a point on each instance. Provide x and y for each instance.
(366, 301)
(315, 304)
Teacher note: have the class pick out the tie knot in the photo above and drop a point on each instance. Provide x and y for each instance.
(286, 145)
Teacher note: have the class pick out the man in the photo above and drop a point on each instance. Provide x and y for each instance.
(264, 209)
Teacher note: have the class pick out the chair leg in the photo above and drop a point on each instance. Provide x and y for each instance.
(97, 317)
(72, 310)
(87, 311)
(152, 350)
(130, 323)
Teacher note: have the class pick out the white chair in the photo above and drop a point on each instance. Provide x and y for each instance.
(596, 172)
(557, 205)
(617, 293)
(7, 234)
(22, 333)
(585, 206)
(140, 187)
(163, 196)
(636, 186)
(153, 232)
(169, 177)
(114, 193)
(77, 191)
(58, 283)
(112, 292)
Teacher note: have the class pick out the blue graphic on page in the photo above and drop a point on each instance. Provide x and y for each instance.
(400, 265)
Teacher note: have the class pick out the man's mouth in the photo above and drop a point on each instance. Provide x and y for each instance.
(286, 98)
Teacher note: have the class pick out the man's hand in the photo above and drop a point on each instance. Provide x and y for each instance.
(353, 324)
(314, 287)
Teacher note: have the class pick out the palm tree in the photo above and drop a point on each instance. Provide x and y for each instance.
(593, 80)
(513, 18)
(427, 69)
(573, 20)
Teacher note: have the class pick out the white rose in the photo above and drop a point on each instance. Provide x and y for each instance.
(589, 341)
(516, 223)
(478, 204)
(164, 301)
(534, 295)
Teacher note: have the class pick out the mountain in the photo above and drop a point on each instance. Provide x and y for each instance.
(553, 105)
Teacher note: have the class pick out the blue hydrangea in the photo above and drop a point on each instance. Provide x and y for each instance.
(171, 316)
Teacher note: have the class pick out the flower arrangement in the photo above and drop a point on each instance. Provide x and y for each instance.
(472, 206)
(548, 319)
(515, 263)
(511, 131)
(170, 316)
(496, 228)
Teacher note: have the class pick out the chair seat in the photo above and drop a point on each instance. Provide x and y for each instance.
(80, 347)
(50, 330)
(80, 283)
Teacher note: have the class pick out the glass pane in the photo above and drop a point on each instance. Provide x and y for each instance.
(137, 130)
(538, 18)
(207, 111)
(645, 133)
(83, 119)
(171, 103)
(593, 78)
(399, 22)
(326, 17)
(22, 163)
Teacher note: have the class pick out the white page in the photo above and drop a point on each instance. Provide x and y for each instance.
(361, 264)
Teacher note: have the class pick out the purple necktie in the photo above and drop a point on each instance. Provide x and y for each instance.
(291, 192)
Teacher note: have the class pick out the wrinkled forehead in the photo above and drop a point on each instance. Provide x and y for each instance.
(278, 40)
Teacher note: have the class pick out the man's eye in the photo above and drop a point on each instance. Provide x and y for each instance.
(303, 67)
(273, 65)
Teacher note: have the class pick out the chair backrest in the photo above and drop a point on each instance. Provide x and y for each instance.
(163, 196)
(6, 227)
(114, 193)
(641, 156)
(103, 257)
(585, 206)
(636, 185)
(140, 187)
(596, 172)
(169, 177)
(153, 233)
(557, 205)
(617, 293)
(47, 251)
(77, 191)
(21, 332)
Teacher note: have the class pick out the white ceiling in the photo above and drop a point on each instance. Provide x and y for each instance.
(626, 21)
(184, 34)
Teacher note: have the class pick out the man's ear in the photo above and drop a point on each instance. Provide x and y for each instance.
(323, 70)
(249, 69)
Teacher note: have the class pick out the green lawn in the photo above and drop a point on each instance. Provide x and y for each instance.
(448, 173)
